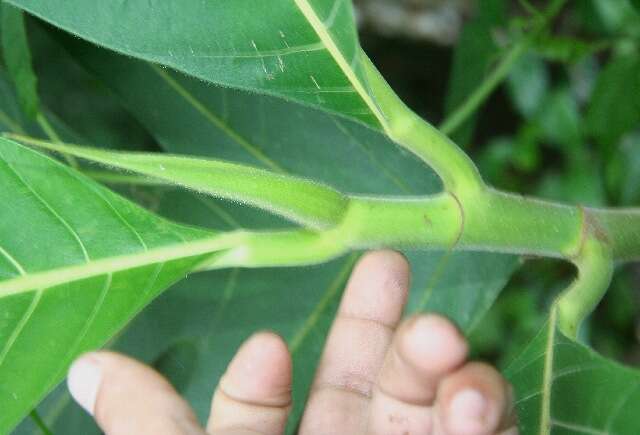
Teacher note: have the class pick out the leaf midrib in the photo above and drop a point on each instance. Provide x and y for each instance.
(325, 37)
(547, 376)
(62, 275)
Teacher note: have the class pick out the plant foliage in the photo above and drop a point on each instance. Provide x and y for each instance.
(276, 143)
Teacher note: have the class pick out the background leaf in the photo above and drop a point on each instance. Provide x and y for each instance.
(615, 106)
(304, 50)
(17, 57)
(566, 388)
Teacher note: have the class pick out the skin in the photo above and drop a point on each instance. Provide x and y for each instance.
(378, 375)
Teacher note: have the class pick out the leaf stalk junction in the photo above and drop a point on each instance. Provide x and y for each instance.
(467, 215)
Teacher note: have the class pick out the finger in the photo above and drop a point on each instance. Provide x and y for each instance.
(426, 348)
(128, 398)
(254, 395)
(370, 310)
(475, 400)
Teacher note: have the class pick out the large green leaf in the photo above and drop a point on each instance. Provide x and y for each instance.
(563, 387)
(217, 310)
(223, 123)
(301, 50)
(188, 116)
(76, 262)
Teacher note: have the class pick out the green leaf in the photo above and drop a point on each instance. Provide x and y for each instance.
(528, 83)
(17, 58)
(614, 108)
(188, 116)
(301, 50)
(563, 387)
(64, 286)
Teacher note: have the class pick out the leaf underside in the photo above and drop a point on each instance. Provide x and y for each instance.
(563, 387)
(301, 50)
(52, 219)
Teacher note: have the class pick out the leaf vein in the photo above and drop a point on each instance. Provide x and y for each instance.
(49, 208)
(215, 120)
(260, 54)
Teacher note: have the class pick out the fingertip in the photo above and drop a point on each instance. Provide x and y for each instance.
(388, 261)
(126, 396)
(473, 401)
(378, 288)
(260, 372)
(432, 344)
(467, 413)
(84, 379)
(254, 395)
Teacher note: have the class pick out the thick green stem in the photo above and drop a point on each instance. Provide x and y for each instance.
(431, 222)
(493, 221)
(595, 269)
(453, 166)
(504, 222)
(472, 217)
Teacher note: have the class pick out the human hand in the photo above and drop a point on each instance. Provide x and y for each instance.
(377, 376)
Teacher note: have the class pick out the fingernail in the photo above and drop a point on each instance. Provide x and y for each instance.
(84, 380)
(467, 412)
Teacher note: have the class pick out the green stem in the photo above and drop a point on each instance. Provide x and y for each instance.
(453, 166)
(51, 133)
(486, 88)
(595, 270)
(474, 218)
(48, 129)
(495, 221)
(39, 422)
(431, 222)
(503, 222)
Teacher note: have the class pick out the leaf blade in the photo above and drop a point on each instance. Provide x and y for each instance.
(282, 48)
(102, 300)
(553, 368)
